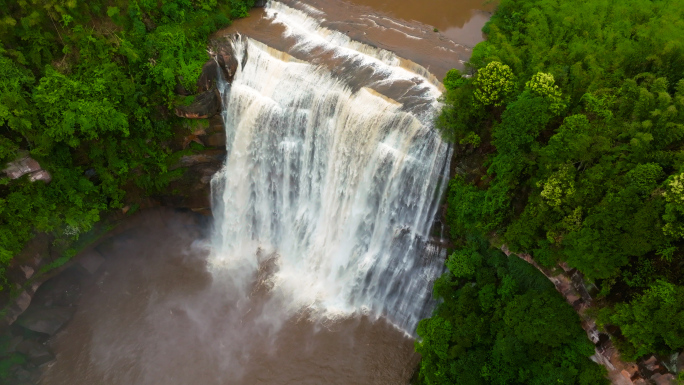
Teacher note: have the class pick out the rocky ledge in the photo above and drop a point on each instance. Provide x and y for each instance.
(23, 165)
(650, 370)
(221, 66)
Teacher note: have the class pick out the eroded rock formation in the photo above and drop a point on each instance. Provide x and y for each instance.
(647, 371)
(222, 65)
(27, 165)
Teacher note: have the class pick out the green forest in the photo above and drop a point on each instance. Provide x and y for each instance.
(568, 126)
(502, 322)
(568, 132)
(87, 89)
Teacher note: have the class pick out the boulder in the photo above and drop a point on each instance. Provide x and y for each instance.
(91, 261)
(44, 319)
(180, 89)
(216, 140)
(206, 105)
(215, 124)
(36, 352)
(651, 364)
(21, 166)
(225, 57)
(626, 375)
(664, 379)
(62, 290)
(41, 175)
(680, 363)
(209, 76)
(260, 3)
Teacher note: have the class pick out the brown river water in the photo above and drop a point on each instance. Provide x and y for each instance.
(154, 317)
(403, 27)
(156, 314)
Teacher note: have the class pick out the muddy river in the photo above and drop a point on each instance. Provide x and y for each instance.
(154, 317)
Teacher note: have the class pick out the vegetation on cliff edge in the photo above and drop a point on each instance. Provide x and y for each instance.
(502, 322)
(86, 88)
(569, 129)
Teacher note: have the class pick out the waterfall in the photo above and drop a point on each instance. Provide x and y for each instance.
(331, 180)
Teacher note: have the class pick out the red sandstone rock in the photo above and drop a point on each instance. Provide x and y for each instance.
(41, 175)
(22, 166)
(206, 105)
(651, 364)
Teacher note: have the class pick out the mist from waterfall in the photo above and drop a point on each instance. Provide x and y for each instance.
(331, 182)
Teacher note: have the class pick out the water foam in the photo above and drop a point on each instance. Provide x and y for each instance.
(334, 186)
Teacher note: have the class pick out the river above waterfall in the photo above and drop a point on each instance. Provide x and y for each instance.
(320, 257)
(404, 27)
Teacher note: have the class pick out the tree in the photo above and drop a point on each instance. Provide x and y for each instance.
(652, 322)
(493, 83)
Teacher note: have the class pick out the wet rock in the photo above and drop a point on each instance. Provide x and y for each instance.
(205, 157)
(63, 290)
(206, 105)
(180, 89)
(680, 362)
(193, 189)
(215, 124)
(216, 140)
(36, 352)
(651, 364)
(209, 76)
(45, 319)
(41, 175)
(245, 54)
(21, 303)
(192, 138)
(260, 3)
(222, 51)
(21, 166)
(91, 261)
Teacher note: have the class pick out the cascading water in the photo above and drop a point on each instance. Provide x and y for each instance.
(332, 178)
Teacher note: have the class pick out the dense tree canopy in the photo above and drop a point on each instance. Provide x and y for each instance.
(502, 322)
(572, 128)
(88, 86)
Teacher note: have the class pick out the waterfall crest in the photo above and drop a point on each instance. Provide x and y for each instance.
(331, 181)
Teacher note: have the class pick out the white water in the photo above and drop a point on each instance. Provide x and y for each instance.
(329, 188)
